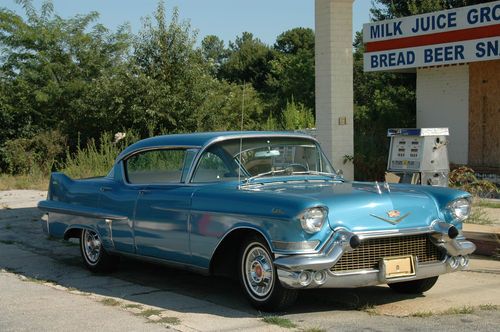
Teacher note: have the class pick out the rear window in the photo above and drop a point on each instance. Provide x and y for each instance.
(157, 166)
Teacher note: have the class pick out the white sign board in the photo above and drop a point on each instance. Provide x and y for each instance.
(461, 35)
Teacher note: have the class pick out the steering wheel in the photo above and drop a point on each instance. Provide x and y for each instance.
(297, 167)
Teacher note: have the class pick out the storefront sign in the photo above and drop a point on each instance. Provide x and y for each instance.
(461, 35)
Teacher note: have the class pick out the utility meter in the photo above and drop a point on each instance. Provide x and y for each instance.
(418, 156)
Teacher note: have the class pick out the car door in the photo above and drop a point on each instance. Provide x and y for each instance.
(161, 223)
(118, 198)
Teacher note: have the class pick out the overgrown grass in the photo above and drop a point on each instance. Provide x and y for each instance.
(149, 312)
(133, 306)
(478, 216)
(463, 310)
(32, 181)
(368, 308)
(95, 159)
(280, 321)
(466, 309)
(489, 307)
(488, 204)
(167, 320)
(110, 302)
(422, 314)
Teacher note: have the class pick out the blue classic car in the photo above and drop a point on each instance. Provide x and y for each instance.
(265, 207)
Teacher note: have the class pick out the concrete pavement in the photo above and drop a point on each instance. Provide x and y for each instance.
(188, 302)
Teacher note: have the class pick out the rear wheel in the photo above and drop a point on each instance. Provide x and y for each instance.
(415, 286)
(258, 277)
(95, 257)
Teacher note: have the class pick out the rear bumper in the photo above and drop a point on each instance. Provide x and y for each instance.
(312, 271)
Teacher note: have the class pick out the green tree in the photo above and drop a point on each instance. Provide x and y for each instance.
(47, 67)
(174, 83)
(295, 40)
(173, 73)
(292, 71)
(213, 51)
(226, 103)
(297, 116)
(248, 61)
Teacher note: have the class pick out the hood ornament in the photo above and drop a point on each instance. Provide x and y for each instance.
(394, 217)
(393, 213)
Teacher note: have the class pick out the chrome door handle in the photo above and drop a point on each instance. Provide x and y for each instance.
(103, 189)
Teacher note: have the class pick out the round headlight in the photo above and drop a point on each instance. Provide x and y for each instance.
(312, 219)
(460, 209)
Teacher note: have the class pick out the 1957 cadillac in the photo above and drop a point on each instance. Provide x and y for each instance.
(266, 207)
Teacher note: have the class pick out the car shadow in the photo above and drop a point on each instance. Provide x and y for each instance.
(152, 284)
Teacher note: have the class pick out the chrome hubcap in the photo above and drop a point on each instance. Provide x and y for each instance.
(259, 272)
(91, 245)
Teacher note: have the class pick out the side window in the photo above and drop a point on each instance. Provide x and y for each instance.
(211, 168)
(156, 166)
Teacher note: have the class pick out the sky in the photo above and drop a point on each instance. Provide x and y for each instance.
(266, 19)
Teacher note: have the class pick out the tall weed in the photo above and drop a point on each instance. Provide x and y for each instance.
(38, 154)
(96, 158)
(465, 178)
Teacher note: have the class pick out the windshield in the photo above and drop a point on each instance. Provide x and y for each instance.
(261, 157)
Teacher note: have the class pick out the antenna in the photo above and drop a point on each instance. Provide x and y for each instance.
(241, 138)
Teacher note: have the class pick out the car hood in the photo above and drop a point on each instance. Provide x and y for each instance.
(362, 207)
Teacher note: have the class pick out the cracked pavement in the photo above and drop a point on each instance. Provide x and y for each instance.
(44, 286)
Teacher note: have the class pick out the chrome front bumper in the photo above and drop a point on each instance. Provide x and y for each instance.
(312, 271)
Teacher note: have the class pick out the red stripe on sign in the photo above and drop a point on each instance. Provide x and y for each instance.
(434, 38)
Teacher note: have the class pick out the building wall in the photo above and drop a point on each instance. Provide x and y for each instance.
(443, 101)
(484, 115)
(334, 81)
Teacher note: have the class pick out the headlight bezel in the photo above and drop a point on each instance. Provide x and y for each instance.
(460, 208)
(313, 219)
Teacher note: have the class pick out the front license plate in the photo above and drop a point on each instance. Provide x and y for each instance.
(401, 266)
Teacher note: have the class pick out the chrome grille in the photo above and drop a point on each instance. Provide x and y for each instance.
(371, 251)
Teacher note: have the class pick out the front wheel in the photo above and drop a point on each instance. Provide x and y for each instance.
(415, 286)
(95, 257)
(259, 279)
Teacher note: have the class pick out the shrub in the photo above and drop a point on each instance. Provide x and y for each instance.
(465, 178)
(38, 154)
(96, 159)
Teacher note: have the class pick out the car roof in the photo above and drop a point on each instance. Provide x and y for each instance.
(201, 139)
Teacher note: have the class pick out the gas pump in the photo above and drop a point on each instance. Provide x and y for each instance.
(418, 156)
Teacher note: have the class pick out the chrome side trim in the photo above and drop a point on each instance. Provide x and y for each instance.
(45, 223)
(109, 222)
(75, 210)
(302, 246)
(185, 266)
(157, 147)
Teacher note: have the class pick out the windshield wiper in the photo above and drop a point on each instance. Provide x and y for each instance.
(287, 170)
(278, 171)
(332, 175)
